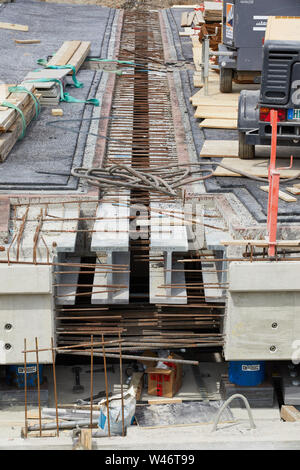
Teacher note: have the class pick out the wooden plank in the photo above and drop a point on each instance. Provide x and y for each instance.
(164, 401)
(260, 243)
(58, 74)
(196, 42)
(215, 99)
(185, 6)
(197, 57)
(57, 112)
(199, 18)
(256, 167)
(213, 6)
(137, 383)
(16, 27)
(4, 93)
(80, 55)
(187, 32)
(184, 19)
(190, 18)
(219, 124)
(65, 53)
(282, 195)
(293, 190)
(211, 112)
(289, 414)
(27, 41)
(283, 28)
(230, 149)
(197, 81)
(86, 439)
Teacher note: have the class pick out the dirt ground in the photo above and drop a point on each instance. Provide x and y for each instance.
(131, 4)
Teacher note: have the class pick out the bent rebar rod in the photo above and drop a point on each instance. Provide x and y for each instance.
(227, 402)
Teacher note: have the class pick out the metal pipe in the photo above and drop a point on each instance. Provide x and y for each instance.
(54, 386)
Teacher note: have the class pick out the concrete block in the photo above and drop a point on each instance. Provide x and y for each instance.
(25, 316)
(25, 279)
(262, 324)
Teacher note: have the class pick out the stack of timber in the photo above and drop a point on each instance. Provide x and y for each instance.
(11, 124)
(214, 30)
(70, 53)
(189, 20)
(213, 11)
(217, 110)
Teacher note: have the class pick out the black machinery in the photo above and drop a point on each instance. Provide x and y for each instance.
(244, 26)
(280, 90)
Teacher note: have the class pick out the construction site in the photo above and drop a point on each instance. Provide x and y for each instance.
(150, 225)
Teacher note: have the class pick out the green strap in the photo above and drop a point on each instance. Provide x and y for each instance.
(12, 106)
(77, 84)
(21, 89)
(127, 62)
(64, 96)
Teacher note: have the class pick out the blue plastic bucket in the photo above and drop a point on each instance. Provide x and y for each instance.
(246, 373)
(15, 375)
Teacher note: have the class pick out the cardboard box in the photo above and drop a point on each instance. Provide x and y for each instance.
(165, 382)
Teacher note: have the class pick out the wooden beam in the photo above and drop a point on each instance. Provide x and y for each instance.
(65, 53)
(219, 124)
(260, 243)
(289, 414)
(16, 27)
(80, 55)
(21, 100)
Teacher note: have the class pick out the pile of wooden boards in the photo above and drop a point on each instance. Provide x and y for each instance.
(11, 124)
(213, 11)
(197, 24)
(192, 18)
(71, 53)
(48, 92)
(214, 30)
(218, 110)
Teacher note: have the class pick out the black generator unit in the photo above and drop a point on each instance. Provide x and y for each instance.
(244, 26)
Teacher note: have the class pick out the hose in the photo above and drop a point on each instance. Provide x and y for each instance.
(226, 403)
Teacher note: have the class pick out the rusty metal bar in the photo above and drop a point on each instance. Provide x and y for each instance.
(106, 386)
(54, 387)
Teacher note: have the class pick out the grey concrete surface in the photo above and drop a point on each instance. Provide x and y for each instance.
(46, 148)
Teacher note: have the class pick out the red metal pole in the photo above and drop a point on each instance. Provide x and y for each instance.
(272, 166)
